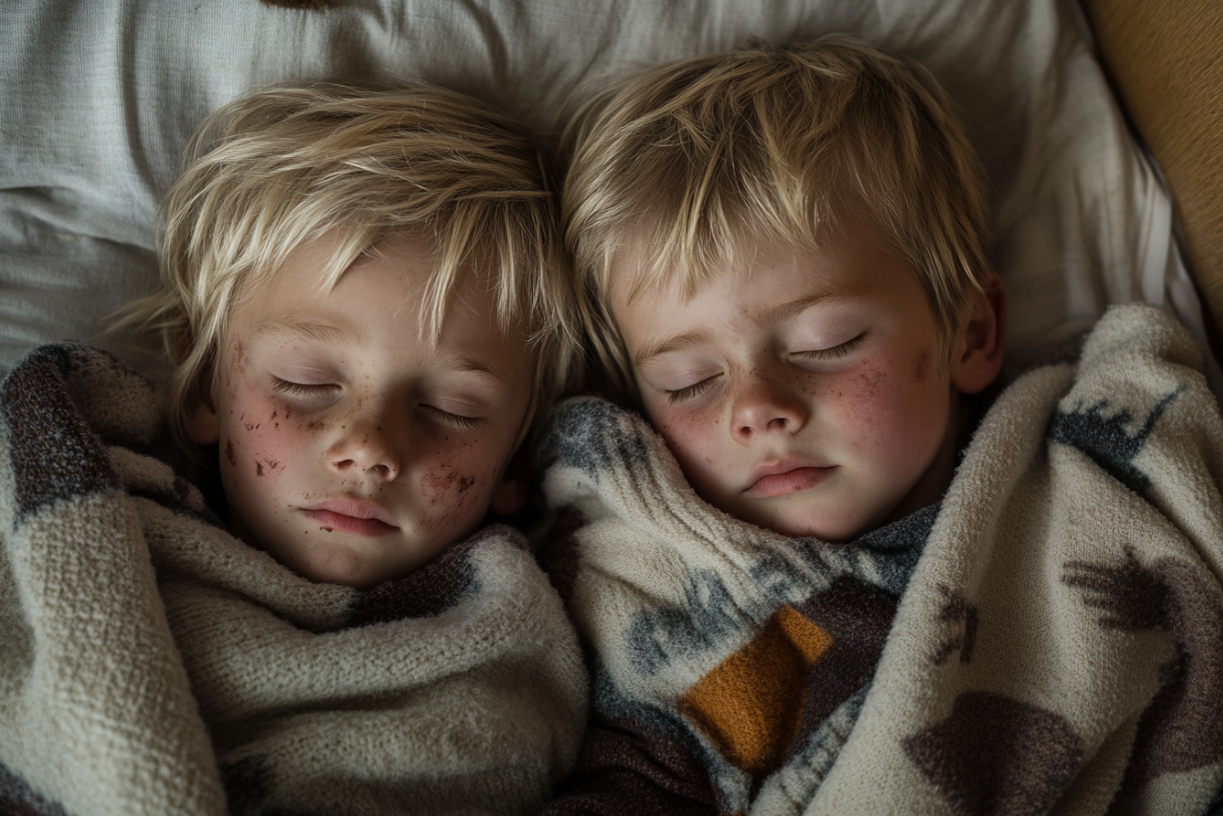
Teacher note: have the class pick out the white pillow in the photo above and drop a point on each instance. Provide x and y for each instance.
(101, 97)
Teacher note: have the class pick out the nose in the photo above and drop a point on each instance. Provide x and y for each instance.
(766, 405)
(366, 446)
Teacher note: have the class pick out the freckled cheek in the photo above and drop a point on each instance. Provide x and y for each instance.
(453, 485)
(881, 412)
(696, 438)
(259, 445)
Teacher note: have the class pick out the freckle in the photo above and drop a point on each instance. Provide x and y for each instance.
(326, 529)
(273, 416)
(258, 469)
(229, 453)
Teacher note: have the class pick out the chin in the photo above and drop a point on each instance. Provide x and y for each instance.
(338, 567)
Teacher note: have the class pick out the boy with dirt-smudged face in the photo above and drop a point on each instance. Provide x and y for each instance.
(363, 303)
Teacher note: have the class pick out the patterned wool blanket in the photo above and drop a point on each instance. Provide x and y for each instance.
(150, 663)
(1047, 639)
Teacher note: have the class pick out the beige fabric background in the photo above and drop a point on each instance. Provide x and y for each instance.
(1166, 61)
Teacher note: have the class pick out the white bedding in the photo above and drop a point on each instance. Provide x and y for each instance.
(100, 97)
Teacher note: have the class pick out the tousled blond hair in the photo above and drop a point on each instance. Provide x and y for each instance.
(281, 167)
(678, 166)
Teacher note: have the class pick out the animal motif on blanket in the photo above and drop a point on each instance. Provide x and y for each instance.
(152, 663)
(1046, 639)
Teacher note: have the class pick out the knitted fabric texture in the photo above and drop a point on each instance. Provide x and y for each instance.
(1047, 639)
(151, 663)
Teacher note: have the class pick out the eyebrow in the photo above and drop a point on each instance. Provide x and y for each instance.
(780, 312)
(309, 330)
(666, 345)
(344, 334)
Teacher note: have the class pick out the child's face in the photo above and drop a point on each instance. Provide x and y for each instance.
(809, 396)
(351, 449)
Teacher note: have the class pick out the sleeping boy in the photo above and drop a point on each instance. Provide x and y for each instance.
(364, 307)
(815, 575)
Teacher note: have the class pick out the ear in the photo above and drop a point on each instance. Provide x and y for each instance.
(202, 424)
(981, 342)
(510, 494)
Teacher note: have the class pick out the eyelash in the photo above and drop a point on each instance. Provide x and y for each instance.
(301, 389)
(304, 390)
(694, 390)
(454, 420)
(833, 353)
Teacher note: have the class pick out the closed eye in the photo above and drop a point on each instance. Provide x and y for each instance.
(831, 353)
(304, 390)
(448, 418)
(694, 390)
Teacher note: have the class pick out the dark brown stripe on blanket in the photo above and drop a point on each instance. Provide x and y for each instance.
(426, 593)
(54, 455)
(17, 798)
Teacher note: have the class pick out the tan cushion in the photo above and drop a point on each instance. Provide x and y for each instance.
(1166, 60)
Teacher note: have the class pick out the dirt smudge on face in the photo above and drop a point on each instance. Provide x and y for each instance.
(258, 468)
(440, 485)
(229, 453)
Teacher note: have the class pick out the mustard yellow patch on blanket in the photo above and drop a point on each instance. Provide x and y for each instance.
(751, 705)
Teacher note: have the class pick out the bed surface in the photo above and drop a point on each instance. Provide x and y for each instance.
(101, 97)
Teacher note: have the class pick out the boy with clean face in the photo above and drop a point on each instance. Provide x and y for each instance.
(363, 307)
(809, 391)
(827, 570)
(782, 310)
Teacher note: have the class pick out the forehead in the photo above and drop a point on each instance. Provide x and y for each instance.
(384, 297)
(831, 268)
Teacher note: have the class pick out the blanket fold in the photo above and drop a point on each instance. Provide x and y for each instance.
(151, 663)
(1046, 639)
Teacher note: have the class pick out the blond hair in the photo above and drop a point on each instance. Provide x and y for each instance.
(676, 165)
(275, 169)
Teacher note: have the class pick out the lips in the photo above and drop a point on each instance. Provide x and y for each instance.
(346, 515)
(781, 478)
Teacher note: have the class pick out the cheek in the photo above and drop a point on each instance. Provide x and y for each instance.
(259, 442)
(695, 439)
(888, 410)
(457, 479)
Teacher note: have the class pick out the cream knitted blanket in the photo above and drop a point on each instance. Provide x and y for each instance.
(150, 663)
(1048, 639)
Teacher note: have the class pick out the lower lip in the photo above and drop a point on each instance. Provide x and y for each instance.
(329, 520)
(792, 481)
